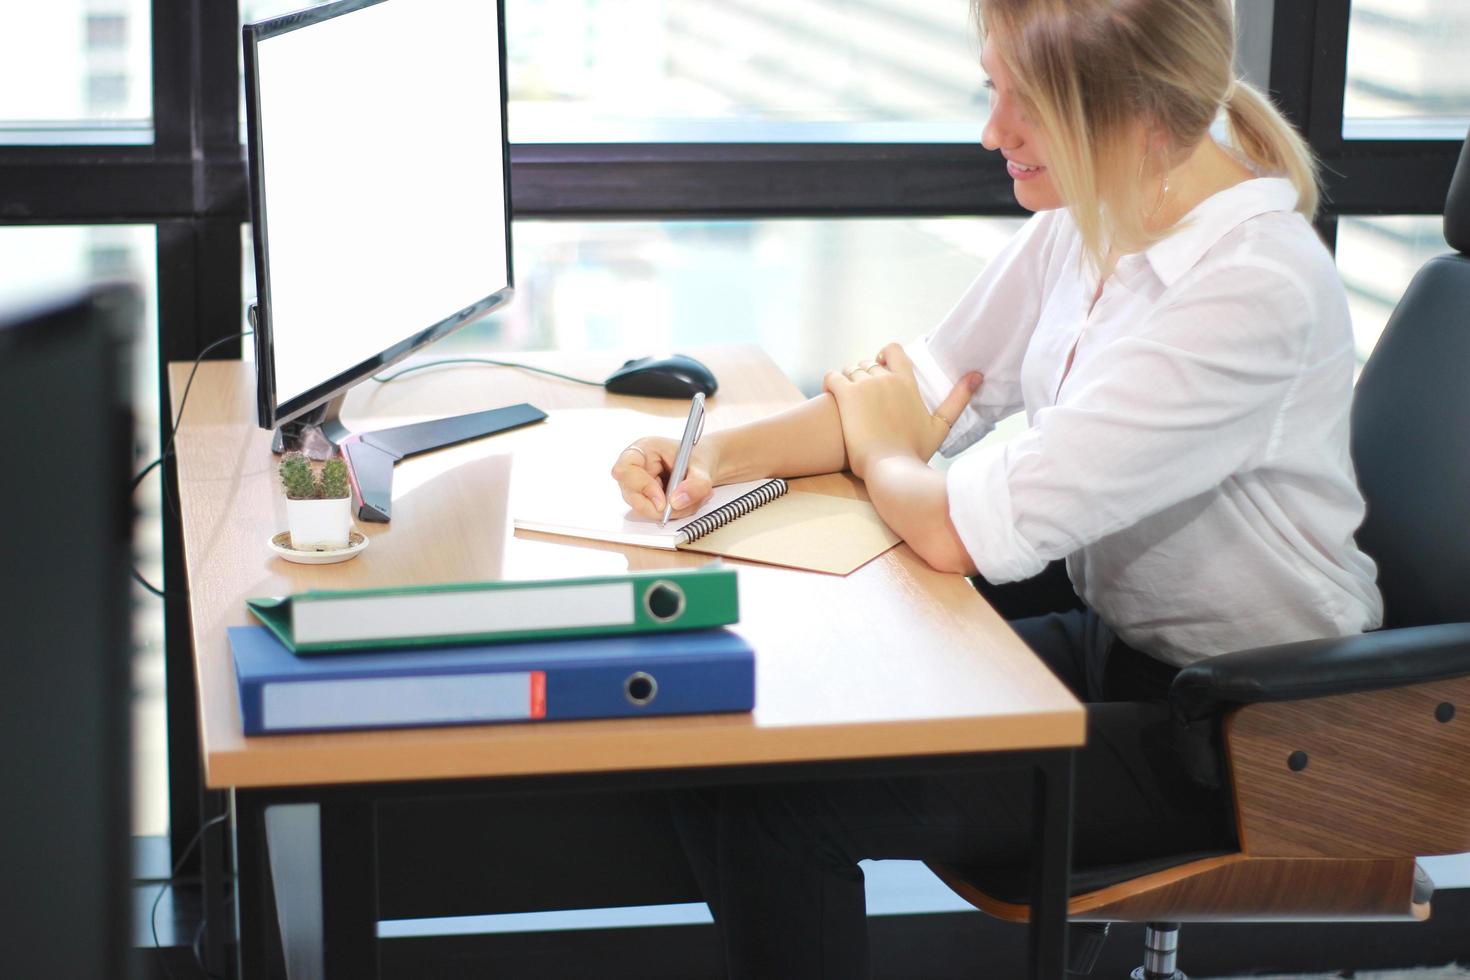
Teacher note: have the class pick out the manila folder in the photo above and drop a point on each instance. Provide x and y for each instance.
(836, 535)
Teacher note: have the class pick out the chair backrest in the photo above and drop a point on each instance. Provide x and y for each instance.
(1411, 436)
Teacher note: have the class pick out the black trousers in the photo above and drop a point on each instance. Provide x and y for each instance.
(778, 864)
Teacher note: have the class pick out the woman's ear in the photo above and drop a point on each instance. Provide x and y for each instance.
(1159, 152)
(1153, 139)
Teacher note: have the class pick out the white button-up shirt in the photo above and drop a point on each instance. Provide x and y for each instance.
(1192, 464)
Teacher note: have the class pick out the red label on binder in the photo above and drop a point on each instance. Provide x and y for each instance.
(538, 694)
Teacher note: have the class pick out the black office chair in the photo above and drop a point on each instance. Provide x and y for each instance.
(1347, 756)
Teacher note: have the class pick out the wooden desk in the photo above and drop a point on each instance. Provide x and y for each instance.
(893, 664)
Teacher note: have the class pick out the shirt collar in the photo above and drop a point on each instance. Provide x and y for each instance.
(1215, 217)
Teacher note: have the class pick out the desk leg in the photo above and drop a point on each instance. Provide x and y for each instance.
(254, 903)
(350, 889)
(214, 870)
(1051, 866)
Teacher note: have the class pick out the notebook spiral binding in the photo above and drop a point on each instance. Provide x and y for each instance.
(739, 507)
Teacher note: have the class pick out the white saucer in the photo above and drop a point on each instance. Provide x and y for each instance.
(281, 545)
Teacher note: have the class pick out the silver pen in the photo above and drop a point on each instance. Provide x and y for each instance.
(692, 429)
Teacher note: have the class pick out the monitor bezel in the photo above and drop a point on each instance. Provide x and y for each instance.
(270, 413)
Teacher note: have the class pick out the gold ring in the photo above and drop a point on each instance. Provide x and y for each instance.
(947, 423)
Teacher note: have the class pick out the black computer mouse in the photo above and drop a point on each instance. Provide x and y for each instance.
(675, 376)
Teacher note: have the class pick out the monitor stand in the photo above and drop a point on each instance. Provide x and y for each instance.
(371, 456)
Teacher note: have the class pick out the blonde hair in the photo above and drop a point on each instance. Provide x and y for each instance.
(1086, 70)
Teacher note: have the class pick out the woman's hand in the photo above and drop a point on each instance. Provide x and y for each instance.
(883, 414)
(643, 466)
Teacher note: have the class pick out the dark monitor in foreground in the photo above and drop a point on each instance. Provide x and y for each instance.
(65, 667)
(380, 209)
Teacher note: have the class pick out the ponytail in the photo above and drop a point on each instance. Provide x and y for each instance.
(1269, 142)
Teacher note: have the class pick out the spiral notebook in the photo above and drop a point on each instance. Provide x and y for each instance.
(756, 521)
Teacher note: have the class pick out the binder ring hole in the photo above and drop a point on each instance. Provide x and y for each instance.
(664, 601)
(640, 688)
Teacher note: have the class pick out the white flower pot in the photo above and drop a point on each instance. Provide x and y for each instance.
(319, 525)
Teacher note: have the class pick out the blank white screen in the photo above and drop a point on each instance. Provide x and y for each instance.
(383, 179)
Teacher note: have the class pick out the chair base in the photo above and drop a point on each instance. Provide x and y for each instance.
(1160, 952)
(1085, 942)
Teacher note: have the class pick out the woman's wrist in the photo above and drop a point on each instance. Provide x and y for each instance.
(711, 453)
(734, 453)
(803, 440)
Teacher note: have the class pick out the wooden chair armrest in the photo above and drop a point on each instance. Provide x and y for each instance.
(1373, 774)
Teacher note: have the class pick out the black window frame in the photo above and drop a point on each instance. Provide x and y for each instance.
(190, 183)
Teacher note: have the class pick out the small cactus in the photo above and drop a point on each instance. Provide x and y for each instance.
(297, 477)
(334, 479)
(303, 483)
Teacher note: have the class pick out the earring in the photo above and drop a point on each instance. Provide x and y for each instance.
(1163, 183)
(1163, 190)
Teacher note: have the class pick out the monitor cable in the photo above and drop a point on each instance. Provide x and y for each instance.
(173, 431)
(167, 451)
(173, 879)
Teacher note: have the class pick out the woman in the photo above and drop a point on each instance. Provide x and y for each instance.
(1180, 343)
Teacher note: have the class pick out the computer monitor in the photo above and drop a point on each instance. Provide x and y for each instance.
(65, 659)
(380, 209)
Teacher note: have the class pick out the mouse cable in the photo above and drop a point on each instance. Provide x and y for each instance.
(167, 451)
(172, 878)
(483, 360)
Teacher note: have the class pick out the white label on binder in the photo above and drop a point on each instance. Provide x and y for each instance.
(383, 701)
(455, 613)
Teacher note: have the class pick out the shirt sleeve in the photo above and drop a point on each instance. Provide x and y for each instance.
(1160, 415)
(988, 331)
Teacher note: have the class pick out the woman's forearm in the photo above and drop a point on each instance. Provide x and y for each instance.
(913, 500)
(807, 440)
(802, 441)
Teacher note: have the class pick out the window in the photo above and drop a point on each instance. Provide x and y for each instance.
(42, 260)
(588, 71)
(812, 294)
(107, 30)
(107, 93)
(1407, 77)
(752, 70)
(1376, 258)
(74, 64)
